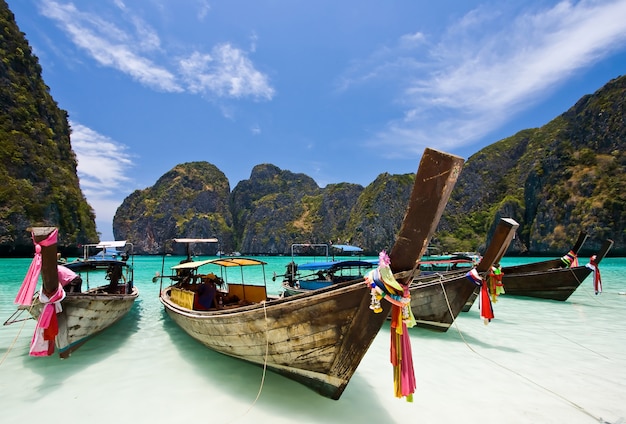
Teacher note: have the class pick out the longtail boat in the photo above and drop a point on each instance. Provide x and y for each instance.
(554, 279)
(436, 301)
(317, 338)
(570, 258)
(75, 316)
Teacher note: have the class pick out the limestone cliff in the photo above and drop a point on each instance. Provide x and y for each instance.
(191, 200)
(555, 180)
(37, 165)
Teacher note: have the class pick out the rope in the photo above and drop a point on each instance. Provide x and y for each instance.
(267, 347)
(6, 354)
(571, 403)
(595, 298)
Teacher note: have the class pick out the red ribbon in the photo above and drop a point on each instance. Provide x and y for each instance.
(597, 279)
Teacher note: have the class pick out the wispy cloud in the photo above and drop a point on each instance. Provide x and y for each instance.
(490, 66)
(226, 72)
(111, 46)
(133, 47)
(203, 9)
(102, 168)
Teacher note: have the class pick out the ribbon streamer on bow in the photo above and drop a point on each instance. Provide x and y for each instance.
(25, 294)
(42, 343)
(383, 285)
(597, 279)
(485, 306)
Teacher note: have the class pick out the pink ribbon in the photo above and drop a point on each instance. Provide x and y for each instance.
(25, 294)
(42, 343)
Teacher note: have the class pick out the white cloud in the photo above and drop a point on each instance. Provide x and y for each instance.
(137, 51)
(490, 66)
(203, 9)
(102, 167)
(111, 46)
(226, 72)
(412, 40)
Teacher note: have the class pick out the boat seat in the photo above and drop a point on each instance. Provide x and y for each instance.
(248, 293)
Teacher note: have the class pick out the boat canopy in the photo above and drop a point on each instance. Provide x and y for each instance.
(334, 265)
(114, 243)
(316, 265)
(236, 262)
(196, 240)
(347, 247)
(191, 265)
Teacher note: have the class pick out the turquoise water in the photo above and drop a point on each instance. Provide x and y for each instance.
(538, 361)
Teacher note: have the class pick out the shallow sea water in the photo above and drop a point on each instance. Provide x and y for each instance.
(538, 361)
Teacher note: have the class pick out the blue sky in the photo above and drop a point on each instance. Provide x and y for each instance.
(339, 90)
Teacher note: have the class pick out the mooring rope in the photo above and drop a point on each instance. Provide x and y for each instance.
(267, 348)
(571, 403)
(595, 298)
(10, 348)
(6, 354)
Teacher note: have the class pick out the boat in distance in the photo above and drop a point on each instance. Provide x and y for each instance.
(555, 279)
(303, 277)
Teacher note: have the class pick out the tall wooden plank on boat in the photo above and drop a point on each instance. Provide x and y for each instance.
(49, 273)
(429, 187)
(498, 257)
(499, 244)
(319, 338)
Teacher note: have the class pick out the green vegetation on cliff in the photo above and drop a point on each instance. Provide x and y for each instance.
(190, 200)
(37, 165)
(555, 180)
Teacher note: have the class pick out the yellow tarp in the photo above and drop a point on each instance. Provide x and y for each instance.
(182, 297)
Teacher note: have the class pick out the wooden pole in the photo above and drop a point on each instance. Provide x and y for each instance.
(499, 244)
(436, 176)
(582, 237)
(606, 246)
(49, 272)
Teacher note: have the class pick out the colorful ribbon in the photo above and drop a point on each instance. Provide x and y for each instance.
(42, 343)
(597, 279)
(570, 259)
(484, 301)
(474, 277)
(494, 281)
(383, 285)
(25, 294)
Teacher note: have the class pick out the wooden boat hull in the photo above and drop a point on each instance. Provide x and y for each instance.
(542, 280)
(470, 300)
(553, 284)
(86, 314)
(548, 279)
(436, 303)
(316, 338)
